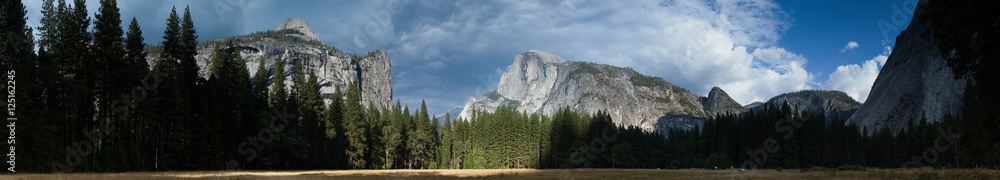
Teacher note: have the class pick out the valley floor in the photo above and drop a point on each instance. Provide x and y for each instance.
(535, 174)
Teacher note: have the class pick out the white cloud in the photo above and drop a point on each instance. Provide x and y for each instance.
(850, 45)
(856, 80)
(434, 65)
(694, 44)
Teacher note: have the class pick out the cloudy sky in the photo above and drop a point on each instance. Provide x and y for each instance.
(446, 51)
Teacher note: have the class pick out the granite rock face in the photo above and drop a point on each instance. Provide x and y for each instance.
(376, 80)
(301, 26)
(915, 81)
(539, 82)
(333, 68)
(718, 102)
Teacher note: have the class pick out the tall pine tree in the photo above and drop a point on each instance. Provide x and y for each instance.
(278, 98)
(354, 127)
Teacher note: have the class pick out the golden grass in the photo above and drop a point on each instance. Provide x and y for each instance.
(534, 174)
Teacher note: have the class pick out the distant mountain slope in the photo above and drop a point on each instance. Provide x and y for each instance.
(832, 103)
(753, 105)
(539, 82)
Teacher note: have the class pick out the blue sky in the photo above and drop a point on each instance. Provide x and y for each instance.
(446, 51)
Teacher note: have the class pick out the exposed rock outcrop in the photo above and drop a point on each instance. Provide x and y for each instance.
(915, 81)
(333, 68)
(301, 26)
(539, 82)
(718, 102)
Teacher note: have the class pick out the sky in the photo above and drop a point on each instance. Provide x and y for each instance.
(445, 51)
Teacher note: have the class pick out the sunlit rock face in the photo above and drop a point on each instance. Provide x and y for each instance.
(718, 102)
(333, 68)
(539, 82)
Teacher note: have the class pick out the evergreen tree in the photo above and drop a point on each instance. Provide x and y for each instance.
(373, 129)
(445, 153)
(260, 81)
(215, 70)
(333, 114)
(278, 98)
(172, 37)
(333, 123)
(354, 127)
(136, 59)
(310, 107)
(187, 49)
(74, 52)
(109, 54)
(391, 137)
(50, 22)
(419, 142)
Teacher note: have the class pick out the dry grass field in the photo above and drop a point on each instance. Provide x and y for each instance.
(534, 174)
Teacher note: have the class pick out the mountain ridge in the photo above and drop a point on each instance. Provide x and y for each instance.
(834, 104)
(539, 82)
(333, 68)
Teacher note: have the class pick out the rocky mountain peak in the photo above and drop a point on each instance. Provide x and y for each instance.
(718, 92)
(539, 82)
(532, 71)
(301, 26)
(543, 56)
(718, 102)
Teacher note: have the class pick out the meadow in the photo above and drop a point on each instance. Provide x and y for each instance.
(538, 174)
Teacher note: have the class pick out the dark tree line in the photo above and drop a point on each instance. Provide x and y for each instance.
(783, 137)
(968, 38)
(88, 101)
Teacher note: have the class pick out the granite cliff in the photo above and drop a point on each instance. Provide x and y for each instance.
(915, 82)
(293, 40)
(539, 82)
(719, 103)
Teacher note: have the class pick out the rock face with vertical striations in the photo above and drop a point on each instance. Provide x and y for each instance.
(539, 82)
(718, 102)
(915, 82)
(333, 68)
(376, 79)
